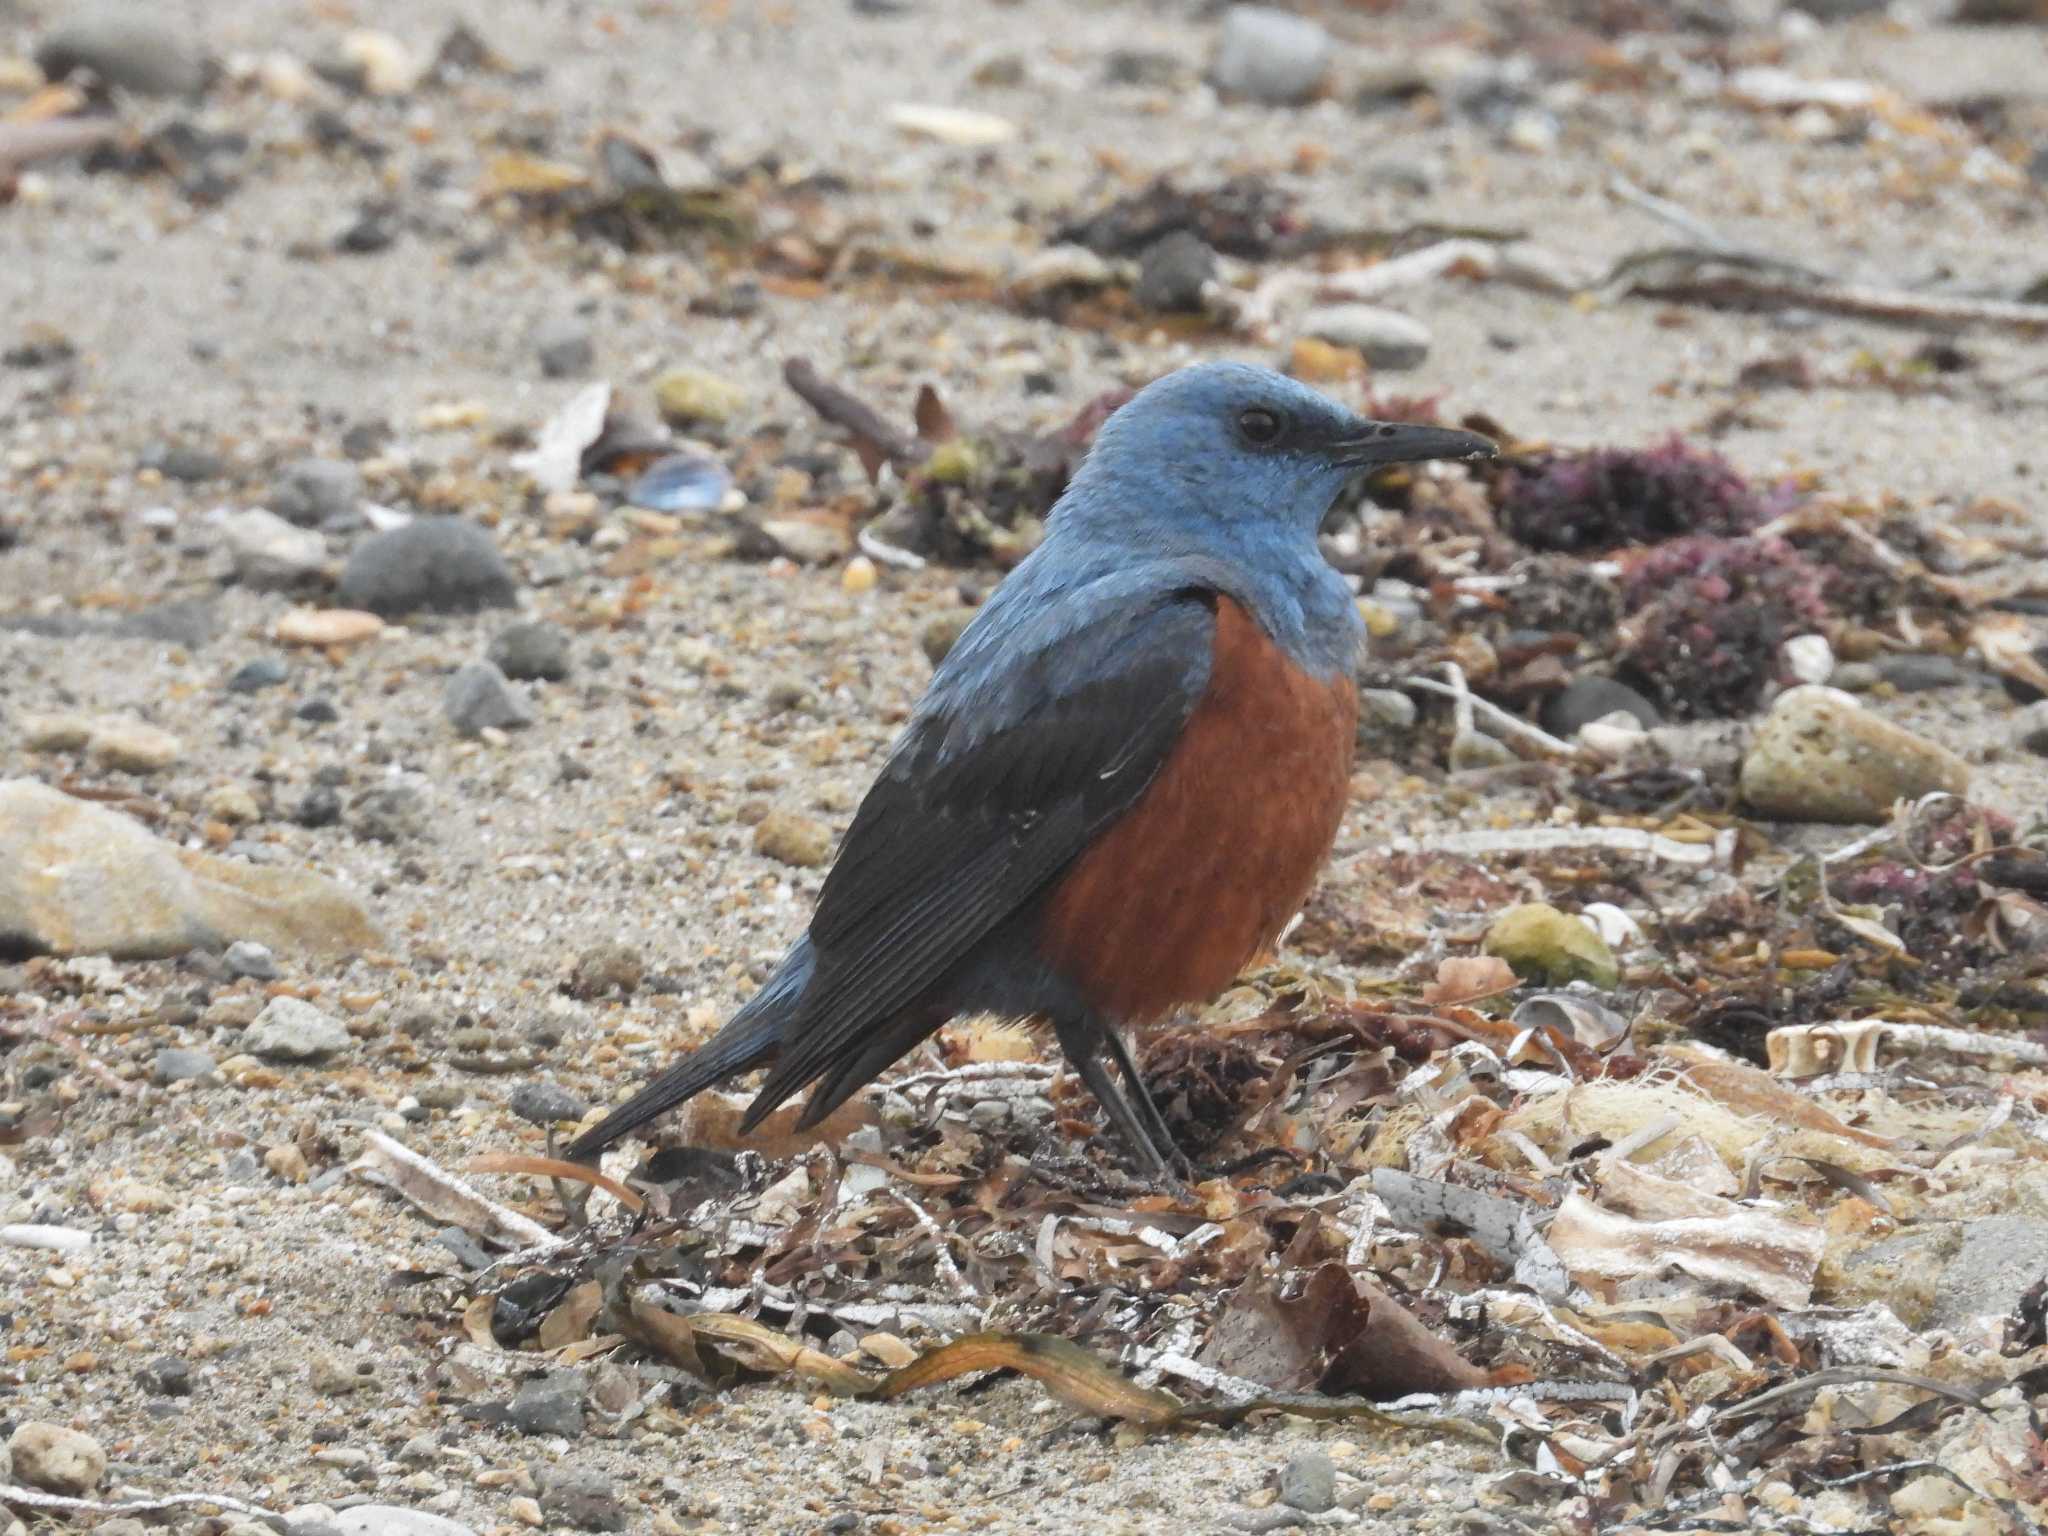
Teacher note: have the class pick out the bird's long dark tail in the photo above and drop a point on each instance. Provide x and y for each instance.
(750, 1037)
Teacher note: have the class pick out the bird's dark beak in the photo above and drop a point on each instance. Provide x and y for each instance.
(1401, 442)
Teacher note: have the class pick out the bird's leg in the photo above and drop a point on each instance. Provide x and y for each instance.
(1148, 1112)
(1081, 1041)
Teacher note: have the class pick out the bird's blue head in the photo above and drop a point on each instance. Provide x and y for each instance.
(1236, 452)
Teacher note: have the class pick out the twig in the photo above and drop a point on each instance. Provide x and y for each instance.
(841, 409)
(1722, 277)
(35, 1498)
(444, 1196)
(1500, 719)
(54, 1239)
(941, 1248)
(1652, 845)
(881, 552)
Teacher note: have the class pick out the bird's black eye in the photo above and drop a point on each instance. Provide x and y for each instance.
(1261, 427)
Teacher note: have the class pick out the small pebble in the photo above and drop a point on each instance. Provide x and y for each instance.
(1270, 55)
(550, 1405)
(174, 1064)
(254, 676)
(1309, 1482)
(129, 746)
(1384, 338)
(289, 1029)
(564, 348)
(544, 1103)
(792, 839)
(245, 957)
(391, 813)
(1172, 272)
(165, 1376)
(267, 551)
(318, 492)
(479, 697)
(433, 565)
(532, 651)
(607, 968)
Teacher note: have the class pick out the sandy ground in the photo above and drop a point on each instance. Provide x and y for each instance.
(198, 326)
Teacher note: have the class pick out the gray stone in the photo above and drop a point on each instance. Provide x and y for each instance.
(176, 1065)
(1270, 55)
(545, 1103)
(582, 1500)
(245, 957)
(1922, 674)
(532, 651)
(480, 698)
(2030, 728)
(254, 676)
(291, 1030)
(80, 879)
(185, 462)
(1388, 708)
(167, 1376)
(394, 813)
(1856, 677)
(126, 46)
(433, 565)
(1822, 757)
(564, 348)
(316, 491)
(550, 1405)
(267, 551)
(1309, 1482)
(1172, 271)
(1586, 699)
(1386, 338)
(2000, 1258)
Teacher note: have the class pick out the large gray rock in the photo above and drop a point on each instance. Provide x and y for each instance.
(79, 879)
(126, 46)
(433, 565)
(1270, 55)
(1821, 756)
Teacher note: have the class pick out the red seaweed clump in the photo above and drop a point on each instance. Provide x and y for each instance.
(1614, 497)
(1711, 616)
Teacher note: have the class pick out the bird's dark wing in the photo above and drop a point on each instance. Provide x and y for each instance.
(1003, 778)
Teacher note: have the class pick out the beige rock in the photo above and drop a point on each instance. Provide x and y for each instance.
(79, 879)
(133, 747)
(328, 626)
(1821, 756)
(688, 396)
(57, 1459)
(234, 805)
(793, 839)
(55, 733)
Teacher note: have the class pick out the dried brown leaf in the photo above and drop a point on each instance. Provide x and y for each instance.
(1467, 978)
(1074, 1375)
(572, 1316)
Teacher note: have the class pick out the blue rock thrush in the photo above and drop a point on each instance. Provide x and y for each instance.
(1121, 782)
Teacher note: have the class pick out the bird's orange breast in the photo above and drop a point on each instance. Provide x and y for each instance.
(1201, 874)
